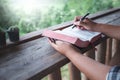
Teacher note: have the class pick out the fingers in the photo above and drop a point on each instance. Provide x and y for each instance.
(87, 20)
(77, 18)
(55, 42)
(51, 42)
(77, 22)
(82, 23)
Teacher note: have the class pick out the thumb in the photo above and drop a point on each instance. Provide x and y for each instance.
(83, 23)
(77, 23)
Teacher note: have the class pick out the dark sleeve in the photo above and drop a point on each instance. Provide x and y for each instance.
(114, 73)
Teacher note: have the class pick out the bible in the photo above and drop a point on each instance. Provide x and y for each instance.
(75, 36)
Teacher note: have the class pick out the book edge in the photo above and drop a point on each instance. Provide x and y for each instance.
(73, 40)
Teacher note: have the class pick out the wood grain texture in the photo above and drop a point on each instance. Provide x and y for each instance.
(28, 60)
(74, 72)
(56, 75)
(115, 53)
(108, 51)
(101, 52)
(35, 58)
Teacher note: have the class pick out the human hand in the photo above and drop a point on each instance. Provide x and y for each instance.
(85, 24)
(64, 48)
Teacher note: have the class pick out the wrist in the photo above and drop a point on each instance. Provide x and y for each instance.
(97, 27)
(71, 53)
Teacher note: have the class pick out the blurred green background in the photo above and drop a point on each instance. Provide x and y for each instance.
(31, 15)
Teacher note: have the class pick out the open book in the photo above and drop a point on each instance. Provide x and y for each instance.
(76, 36)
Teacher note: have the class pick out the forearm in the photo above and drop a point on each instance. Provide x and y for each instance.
(109, 30)
(92, 69)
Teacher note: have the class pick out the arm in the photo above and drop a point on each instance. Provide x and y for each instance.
(110, 30)
(92, 69)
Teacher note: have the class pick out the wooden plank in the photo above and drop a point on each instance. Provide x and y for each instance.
(116, 53)
(2, 39)
(115, 21)
(74, 72)
(104, 13)
(56, 75)
(32, 60)
(101, 52)
(83, 50)
(91, 53)
(108, 51)
(109, 18)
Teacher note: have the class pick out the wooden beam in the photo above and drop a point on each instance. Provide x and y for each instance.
(104, 13)
(91, 53)
(56, 75)
(101, 52)
(108, 51)
(115, 53)
(74, 72)
(2, 39)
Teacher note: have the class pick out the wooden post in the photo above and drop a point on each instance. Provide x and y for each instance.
(108, 51)
(2, 39)
(115, 53)
(74, 72)
(115, 47)
(101, 52)
(91, 53)
(56, 75)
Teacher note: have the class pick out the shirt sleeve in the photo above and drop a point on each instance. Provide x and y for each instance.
(114, 73)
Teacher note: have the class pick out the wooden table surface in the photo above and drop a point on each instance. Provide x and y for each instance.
(35, 59)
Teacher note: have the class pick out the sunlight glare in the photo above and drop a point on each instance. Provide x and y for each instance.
(26, 6)
(29, 9)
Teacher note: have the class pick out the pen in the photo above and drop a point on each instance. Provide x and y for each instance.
(81, 19)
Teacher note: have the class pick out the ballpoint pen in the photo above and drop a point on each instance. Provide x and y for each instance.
(81, 19)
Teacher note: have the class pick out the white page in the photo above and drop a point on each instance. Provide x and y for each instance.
(81, 34)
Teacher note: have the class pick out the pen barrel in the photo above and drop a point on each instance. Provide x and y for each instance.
(84, 17)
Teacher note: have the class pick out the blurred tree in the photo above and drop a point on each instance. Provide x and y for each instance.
(67, 11)
(6, 16)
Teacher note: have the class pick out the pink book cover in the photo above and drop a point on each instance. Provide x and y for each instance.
(80, 38)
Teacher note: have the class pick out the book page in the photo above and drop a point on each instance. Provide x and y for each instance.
(76, 32)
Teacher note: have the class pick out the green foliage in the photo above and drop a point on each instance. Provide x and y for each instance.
(1, 29)
(55, 15)
(6, 16)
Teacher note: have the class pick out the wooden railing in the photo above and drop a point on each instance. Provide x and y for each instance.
(33, 58)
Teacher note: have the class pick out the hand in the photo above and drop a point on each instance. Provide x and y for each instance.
(85, 24)
(64, 47)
